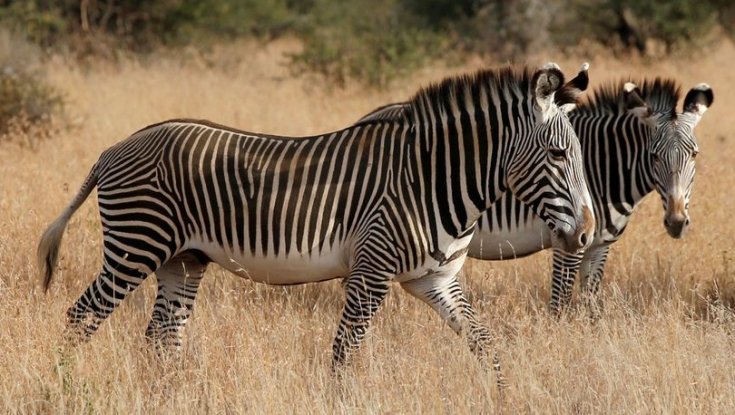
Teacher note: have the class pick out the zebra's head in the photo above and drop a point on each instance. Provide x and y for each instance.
(671, 149)
(545, 170)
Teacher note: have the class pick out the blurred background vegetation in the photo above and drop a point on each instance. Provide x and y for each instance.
(372, 41)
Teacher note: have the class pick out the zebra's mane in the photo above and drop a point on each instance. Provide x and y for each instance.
(515, 79)
(660, 94)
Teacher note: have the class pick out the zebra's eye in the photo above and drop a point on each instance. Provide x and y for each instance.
(558, 153)
(655, 157)
(694, 154)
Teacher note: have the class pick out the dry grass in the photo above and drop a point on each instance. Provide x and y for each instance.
(665, 344)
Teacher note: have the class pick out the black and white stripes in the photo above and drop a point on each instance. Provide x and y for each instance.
(375, 202)
(633, 142)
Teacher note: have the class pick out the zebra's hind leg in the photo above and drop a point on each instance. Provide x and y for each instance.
(178, 282)
(100, 299)
(364, 293)
(444, 295)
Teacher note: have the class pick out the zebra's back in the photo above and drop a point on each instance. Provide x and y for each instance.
(273, 209)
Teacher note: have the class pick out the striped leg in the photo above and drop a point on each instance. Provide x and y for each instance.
(100, 299)
(178, 282)
(444, 295)
(565, 267)
(364, 293)
(591, 272)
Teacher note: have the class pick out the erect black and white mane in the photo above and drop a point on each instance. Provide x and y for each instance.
(660, 94)
(514, 83)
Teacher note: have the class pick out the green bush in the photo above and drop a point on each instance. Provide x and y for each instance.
(27, 96)
(632, 24)
(38, 21)
(231, 18)
(27, 101)
(370, 40)
(442, 14)
(142, 25)
(374, 41)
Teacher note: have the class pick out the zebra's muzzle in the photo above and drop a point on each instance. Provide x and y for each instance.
(677, 218)
(581, 237)
(676, 225)
(573, 242)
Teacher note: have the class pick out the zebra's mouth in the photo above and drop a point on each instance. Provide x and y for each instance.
(568, 242)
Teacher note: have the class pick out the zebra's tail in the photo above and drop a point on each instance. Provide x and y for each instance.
(48, 247)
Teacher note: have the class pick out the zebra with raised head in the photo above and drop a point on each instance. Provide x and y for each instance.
(374, 203)
(633, 143)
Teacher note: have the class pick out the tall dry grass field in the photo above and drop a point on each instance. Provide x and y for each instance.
(665, 344)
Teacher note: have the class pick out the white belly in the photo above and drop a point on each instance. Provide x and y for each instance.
(454, 252)
(529, 238)
(301, 268)
(295, 268)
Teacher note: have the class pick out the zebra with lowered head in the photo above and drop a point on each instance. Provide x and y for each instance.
(373, 203)
(633, 142)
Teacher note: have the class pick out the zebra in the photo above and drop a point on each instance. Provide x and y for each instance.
(372, 204)
(633, 142)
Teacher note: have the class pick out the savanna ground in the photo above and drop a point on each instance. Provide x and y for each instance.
(665, 344)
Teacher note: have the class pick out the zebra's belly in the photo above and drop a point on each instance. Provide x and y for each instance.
(446, 261)
(498, 244)
(294, 268)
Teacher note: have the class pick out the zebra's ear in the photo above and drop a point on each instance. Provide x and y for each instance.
(566, 97)
(635, 104)
(545, 82)
(698, 100)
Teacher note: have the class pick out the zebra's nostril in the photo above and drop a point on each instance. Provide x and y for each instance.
(686, 222)
(583, 239)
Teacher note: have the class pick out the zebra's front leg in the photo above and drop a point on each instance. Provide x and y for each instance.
(99, 300)
(444, 294)
(178, 282)
(565, 267)
(364, 293)
(591, 273)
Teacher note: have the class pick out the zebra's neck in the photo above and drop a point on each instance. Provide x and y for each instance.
(461, 154)
(616, 159)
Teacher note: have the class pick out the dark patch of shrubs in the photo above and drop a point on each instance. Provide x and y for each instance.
(373, 40)
(28, 104)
